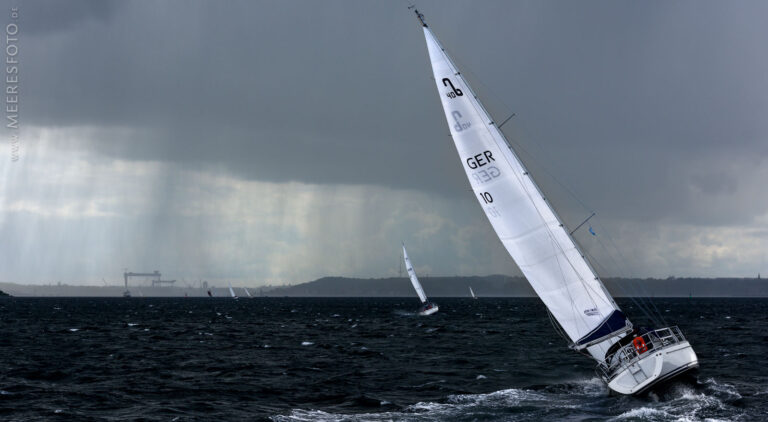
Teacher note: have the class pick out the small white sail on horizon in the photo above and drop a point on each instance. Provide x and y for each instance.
(232, 292)
(428, 308)
(247, 292)
(472, 293)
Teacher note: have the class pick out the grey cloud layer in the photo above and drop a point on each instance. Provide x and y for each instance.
(654, 114)
(339, 92)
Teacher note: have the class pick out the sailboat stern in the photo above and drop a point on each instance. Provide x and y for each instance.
(652, 359)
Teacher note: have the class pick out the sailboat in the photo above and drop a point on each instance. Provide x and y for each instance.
(472, 293)
(247, 292)
(232, 292)
(631, 361)
(427, 307)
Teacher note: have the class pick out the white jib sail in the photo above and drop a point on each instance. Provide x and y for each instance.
(247, 292)
(522, 218)
(471, 292)
(414, 280)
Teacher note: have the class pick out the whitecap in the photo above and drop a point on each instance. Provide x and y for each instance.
(306, 343)
(463, 406)
(133, 324)
(642, 413)
(74, 329)
(480, 377)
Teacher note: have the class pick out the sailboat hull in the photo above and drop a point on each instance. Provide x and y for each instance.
(428, 309)
(656, 368)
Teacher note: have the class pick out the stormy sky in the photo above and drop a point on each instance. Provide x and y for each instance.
(277, 142)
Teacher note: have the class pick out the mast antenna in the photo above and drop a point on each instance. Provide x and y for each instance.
(418, 15)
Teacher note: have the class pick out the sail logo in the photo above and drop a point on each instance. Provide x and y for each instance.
(484, 176)
(591, 312)
(459, 126)
(455, 92)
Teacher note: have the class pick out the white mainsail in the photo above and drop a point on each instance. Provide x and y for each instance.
(232, 292)
(414, 280)
(247, 292)
(472, 293)
(522, 217)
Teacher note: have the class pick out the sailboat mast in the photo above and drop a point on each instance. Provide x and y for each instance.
(521, 215)
(540, 193)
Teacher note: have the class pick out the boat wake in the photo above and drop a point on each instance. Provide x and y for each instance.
(705, 401)
(577, 400)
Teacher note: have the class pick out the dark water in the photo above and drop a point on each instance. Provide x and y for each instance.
(352, 360)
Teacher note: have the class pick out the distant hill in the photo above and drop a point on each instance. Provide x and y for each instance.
(2, 293)
(494, 285)
(500, 285)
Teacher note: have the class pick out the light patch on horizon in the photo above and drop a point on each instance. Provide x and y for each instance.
(213, 225)
(87, 219)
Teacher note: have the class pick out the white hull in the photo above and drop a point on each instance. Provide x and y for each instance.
(429, 311)
(655, 367)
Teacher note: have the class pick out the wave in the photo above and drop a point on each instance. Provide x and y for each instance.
(503, 405)
(585, 399)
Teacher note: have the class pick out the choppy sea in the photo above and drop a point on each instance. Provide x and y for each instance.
(288, 359)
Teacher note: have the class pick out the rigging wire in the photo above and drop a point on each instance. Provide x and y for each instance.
(638, 299)
(639, 296)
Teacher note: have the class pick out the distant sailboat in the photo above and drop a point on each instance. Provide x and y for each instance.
(630, 361)
(247, 292)
(472, 293)
(427, 308)
(232, 292)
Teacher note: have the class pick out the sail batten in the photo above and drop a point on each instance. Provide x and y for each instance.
(519, 212)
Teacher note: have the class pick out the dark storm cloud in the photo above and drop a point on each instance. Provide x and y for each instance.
(652, 113)
(41, 17)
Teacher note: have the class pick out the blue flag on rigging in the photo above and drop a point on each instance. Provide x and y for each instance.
(592, 231)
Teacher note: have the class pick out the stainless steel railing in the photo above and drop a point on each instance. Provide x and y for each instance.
(629, 354)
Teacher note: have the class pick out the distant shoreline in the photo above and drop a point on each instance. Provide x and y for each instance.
(484, 286)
